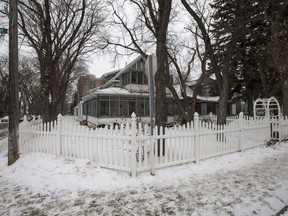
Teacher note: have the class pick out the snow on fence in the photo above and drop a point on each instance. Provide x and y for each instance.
(131, 148)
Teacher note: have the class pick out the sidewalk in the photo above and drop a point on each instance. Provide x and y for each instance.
(254, 182)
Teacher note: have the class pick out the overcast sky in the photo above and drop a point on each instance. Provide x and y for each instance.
(98, 64)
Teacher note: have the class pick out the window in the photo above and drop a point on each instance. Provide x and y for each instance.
(140, 78)
(120, 106)
(123, 107)
(126, 78)
(92, 84)
(134, 77)
(132, 106)
(85, 109)
(90, 107)
(145, 78)
(114, 102)
(170, 108)
(140, 65)
(140, 107)
(104, 106)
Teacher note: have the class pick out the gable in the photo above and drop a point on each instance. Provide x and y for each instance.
(137, 64)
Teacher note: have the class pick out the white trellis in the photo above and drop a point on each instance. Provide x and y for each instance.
(269, 108)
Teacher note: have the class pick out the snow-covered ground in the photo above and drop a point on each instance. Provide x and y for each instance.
(253, 182)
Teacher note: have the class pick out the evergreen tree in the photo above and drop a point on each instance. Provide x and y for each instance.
(276, 14)
(253, 69)
(228, 31)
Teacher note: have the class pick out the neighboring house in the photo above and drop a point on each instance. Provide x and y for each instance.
(207, 103)
(204, 104)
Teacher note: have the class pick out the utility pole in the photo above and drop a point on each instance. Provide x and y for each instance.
(13, 129)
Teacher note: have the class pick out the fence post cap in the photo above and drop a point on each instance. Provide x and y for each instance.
(133, 115)
(241, 114)
(196, 114)
(59, 116)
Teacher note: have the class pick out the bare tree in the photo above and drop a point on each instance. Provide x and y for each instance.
(29, 85)
(221, 71)
(154, 16)
(4, 77)
(181, 52)
(4, 21)
(186, 107)
(28, 82)
(194, 54)
(61, 33)
(160, 16)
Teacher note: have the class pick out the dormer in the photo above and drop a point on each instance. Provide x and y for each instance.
(135, 74)
(132, 76)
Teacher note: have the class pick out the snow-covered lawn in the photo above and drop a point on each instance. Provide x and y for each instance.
(253, 182)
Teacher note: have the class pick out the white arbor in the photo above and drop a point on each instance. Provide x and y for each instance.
(269, 108)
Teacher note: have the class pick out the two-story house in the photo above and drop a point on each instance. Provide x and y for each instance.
(122, 93)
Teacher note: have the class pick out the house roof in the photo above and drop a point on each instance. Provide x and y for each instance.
(189, 93)
(106, 88)
(112, 91)
(108, 83)
(109, 73)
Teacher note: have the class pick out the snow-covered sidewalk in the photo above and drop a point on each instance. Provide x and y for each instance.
(253, 182)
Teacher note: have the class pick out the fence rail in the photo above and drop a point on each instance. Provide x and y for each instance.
(131, 148)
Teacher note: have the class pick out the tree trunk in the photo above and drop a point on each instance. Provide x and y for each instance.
(13, 128)
(250, 105)
(249, 96)
(285, 97)
(45, 97)
(223, 102)
(160, 99)
(162, 67)
(222, 108)
(178, 101)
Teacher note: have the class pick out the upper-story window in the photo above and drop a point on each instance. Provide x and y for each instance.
(140, 65)
(136, 75)
(126, 78)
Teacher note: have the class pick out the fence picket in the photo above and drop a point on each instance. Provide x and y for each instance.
(100, 145)
(129, 149)
(197, 140)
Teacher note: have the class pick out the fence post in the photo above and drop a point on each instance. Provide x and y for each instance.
(196, 128)
(211, 115)
(133, 147)
(59, 130)
(241, 124)
(280, 118)
(152, 151)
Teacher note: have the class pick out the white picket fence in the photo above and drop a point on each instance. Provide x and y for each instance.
(131, 148)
